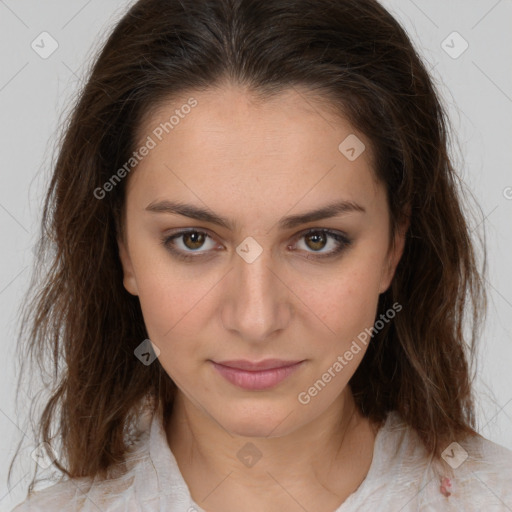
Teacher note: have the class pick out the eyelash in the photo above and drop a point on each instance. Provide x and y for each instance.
(342, 240)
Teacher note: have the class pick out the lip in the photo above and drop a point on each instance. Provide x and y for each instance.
(256, 375)
(266, 364)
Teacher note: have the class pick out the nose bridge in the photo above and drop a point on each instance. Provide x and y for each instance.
(257, 303)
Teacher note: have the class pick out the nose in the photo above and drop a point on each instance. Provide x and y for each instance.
(256, 302)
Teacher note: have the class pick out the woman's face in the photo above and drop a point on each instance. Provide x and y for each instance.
(256, 286)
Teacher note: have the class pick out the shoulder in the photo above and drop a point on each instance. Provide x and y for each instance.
(90, 494)
(473, 473)
(480, 473)
(63, 495)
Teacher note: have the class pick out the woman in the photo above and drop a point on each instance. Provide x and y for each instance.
(260, 272)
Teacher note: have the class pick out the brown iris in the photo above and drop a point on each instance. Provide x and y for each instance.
(319, 240)
(197, 239)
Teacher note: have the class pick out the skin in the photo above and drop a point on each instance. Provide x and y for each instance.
(254, 163)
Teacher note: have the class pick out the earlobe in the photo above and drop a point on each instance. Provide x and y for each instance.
(129, 281)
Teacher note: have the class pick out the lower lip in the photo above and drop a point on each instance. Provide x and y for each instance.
(256, 380)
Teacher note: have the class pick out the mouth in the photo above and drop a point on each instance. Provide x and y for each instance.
(257, 375)
(266, 364)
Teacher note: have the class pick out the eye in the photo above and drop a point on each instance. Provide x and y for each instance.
(317, 243)
(319, 239)
(188, 242)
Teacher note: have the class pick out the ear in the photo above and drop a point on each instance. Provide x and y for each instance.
(129, 281)
(395, 253)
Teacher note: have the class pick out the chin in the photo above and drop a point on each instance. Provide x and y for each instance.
(257, 423)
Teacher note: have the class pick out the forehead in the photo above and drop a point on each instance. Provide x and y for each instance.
(234, 146)
(230, 114)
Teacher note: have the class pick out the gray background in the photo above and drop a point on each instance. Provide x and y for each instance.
(35, 95)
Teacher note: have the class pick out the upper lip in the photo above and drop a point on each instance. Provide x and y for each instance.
(266, 364)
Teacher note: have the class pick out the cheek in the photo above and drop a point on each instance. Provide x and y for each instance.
(171, 314)
(171, 306)
(345, 300)
(165, 295)
(348, 306)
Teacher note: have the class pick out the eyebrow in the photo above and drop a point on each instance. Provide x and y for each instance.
(187, 210)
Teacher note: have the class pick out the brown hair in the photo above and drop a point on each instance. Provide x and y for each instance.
(356, 56)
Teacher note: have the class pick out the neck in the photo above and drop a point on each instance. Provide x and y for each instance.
(336, 447)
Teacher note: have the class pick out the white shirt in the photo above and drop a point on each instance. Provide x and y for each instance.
(400, 478)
